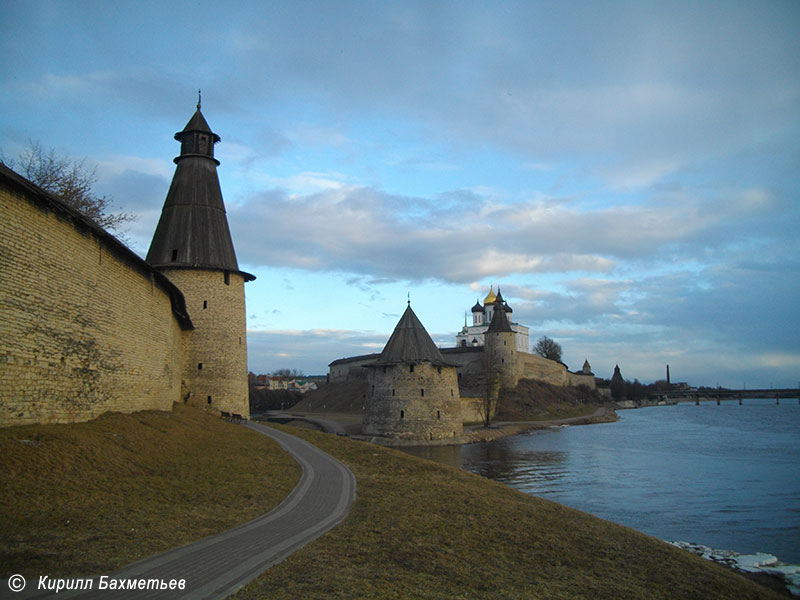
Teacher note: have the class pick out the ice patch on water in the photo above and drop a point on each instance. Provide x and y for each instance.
(760, 562)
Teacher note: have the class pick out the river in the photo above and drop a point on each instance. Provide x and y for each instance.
(724, 476)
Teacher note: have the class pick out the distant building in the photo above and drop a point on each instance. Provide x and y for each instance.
(481, 369)
(473, 335)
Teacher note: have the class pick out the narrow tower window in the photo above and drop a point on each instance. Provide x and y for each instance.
(439, 414)
(410, 368)
(392, 391)
(199, 366)
(402, 414)
(421, 391)
(205, 304)
(174, 254)
(209, 399)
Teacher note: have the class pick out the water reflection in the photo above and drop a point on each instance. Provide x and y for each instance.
(522, 468)
(500, 460)
(726, 476)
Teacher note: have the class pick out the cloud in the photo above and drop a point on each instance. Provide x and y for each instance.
(426, 142)
(368, 232)
(650, 90)
(634, 93)
(308, 350)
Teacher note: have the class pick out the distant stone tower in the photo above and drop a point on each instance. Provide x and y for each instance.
(192, 246)
(617, 384)
(413, 392)
(501, 353)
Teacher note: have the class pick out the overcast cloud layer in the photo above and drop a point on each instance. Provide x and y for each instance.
(627, 172)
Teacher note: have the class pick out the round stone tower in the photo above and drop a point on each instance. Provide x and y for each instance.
(192, 246)
(413, 392)
(501, 349)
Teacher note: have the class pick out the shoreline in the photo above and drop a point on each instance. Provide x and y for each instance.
(348, 424)
(768, 571)
(759, 566)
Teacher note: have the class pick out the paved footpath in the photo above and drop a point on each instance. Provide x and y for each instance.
(217, 566)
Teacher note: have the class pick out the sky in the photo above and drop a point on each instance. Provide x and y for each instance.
(627, 173)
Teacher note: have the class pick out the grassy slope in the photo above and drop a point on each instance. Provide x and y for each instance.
(536, 400)
(417, 529)
(340, 397)
(423, 530)
(91, 497)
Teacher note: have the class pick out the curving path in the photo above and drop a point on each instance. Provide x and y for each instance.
(217, 566)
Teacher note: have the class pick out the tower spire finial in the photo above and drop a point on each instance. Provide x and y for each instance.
(198, 98)
(409, 298)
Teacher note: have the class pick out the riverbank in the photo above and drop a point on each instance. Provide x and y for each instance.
(416, 530)
(762, 567)
(419, 529)
(739, 463)
(349, 424)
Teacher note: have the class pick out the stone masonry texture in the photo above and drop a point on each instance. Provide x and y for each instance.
(215, 363)
(83, 328)
(422, 404)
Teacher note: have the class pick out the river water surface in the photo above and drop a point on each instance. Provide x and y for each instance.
(724, 476)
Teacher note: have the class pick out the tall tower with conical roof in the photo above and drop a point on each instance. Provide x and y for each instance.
(192, 246)
(500, 348)
(413, 392)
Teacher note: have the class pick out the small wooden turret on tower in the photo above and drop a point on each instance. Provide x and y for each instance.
(192, 246)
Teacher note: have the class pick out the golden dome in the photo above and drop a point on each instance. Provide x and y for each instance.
(490, 297)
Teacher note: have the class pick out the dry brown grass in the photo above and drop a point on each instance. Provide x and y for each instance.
(91, 497)
(419, 529)
(534, 400)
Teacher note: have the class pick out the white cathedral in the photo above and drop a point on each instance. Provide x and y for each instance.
(472, 335)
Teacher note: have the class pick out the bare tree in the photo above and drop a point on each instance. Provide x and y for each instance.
(288, 373)
(548, 348)
(488, 400)
(69, 179)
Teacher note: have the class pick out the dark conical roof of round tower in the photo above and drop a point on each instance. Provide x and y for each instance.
(499, 322)
(193, 229)
(410, 343)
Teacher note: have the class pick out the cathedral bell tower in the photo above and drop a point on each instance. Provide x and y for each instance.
(192, 246)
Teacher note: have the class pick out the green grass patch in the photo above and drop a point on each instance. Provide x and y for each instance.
(90, 497)
(419, 529)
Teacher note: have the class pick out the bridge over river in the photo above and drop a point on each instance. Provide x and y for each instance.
(720, 394)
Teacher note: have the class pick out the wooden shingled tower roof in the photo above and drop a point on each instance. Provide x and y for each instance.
(193, 230)
(499, 322)
(410, 343)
